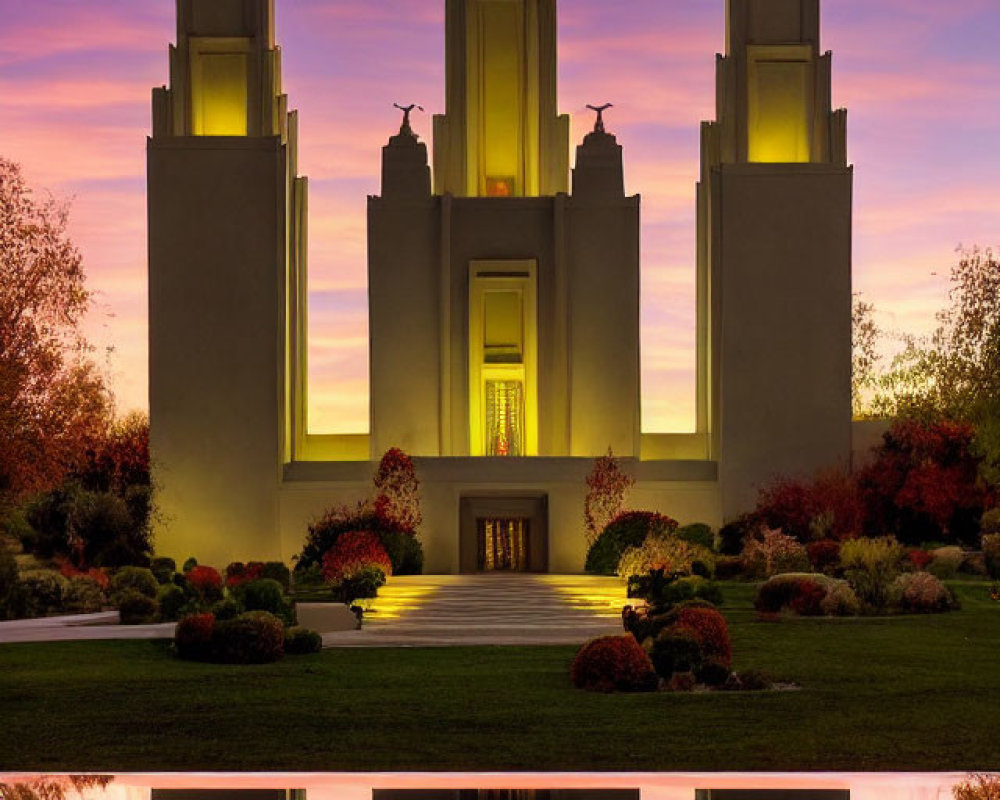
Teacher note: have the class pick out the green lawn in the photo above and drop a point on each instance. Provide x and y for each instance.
(913, 693)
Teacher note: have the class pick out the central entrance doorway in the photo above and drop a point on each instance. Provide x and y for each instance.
(503, 544)
(503, 533)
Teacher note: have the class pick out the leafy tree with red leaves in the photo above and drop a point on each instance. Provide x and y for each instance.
(829, 506)
(52, 397)
(397, 490)
(607, 487)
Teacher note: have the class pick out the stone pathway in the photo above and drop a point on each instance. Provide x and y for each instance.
(419, 611)
(488, 609)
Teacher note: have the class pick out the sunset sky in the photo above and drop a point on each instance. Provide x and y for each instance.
(921, 80)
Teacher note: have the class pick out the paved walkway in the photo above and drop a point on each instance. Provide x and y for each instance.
(419, 611)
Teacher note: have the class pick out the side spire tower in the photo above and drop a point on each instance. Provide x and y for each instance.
(774, 255)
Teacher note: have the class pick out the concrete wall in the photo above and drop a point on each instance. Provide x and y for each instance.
(216, 278)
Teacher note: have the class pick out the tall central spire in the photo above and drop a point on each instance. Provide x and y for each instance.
(501, 135)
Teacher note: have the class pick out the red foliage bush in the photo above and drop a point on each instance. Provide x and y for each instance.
(97, 574)
(802, 596)
(206, 580)
(832, 499)
(397, 491)
(193, 637)
(920, 559)
(117, 457)
(613, 664)
(238, 573)
(709, 628)
(923, 484)
(824, 554)
(352, 552)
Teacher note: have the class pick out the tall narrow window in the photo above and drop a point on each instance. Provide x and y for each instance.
(219, 92)
(503, 419)
(779, 106)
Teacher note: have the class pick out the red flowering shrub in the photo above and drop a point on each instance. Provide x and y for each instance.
(920, 559)
(607, 488)
(824, 555)
(193, 637)
(239, 574)
(923, 484)
(709, 629)
(800, 594)
(397, 490)
(207, 582)
(613, 664)
(770, 551)
(829, 506)
(352, 553)
(97, 574)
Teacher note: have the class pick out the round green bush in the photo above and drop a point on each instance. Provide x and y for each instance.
(136, 608)
(624, 531)
(713, 673)
(302, 641)
(82, 595)
(189, 565)
(363, 584)
(172, 602)
(229, 608)
(692, 587)
(163, 569)
(43, 592)
(698, 533)
(404, 550)
(675, 650)
(256, 637)
(277, 571)
(263, 594)
(136, 579)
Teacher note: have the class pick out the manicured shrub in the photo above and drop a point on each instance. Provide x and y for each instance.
(991, 554)
(698, 533)
(189, 565)
(362, 583)
(664, 553)
(302, 641)
(207, 582)
(227, 608)
(733, 535)
(193, 637)
(404, 551)
(9, 583)
(255, 637)
(613, 664)
(675, 650)
(239, 574)
(770, 552)
(138, 579)
(828, 506)
(682, 590)
(800, 594)
(172, 602)
(397, 490)
(277, 571)
(709, 628)
(990, 522)
(163, 569)
(870, 566)
(82, 595)
(824, 555)
(920, 559)
(728, 567)
(629, 529)
(946, 562)
(136, 608)
(325, 531)
(841, 601)
(921, 593)
(267, 595)
(43, 592)
(713, 673)
(354, 551)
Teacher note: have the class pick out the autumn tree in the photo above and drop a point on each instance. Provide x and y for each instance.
(52, 397)
(607, 487)
(978, 787)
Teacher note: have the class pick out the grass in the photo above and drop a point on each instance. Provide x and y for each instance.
(909, 693)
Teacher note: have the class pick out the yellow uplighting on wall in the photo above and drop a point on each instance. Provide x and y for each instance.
(780, 100)
(219, 91)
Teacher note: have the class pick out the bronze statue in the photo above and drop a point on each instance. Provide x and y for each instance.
(599, 124)
(405, 127)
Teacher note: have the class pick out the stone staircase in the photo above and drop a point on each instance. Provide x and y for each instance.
(489, 609)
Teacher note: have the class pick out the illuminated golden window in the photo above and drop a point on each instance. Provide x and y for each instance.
(780, 101)
(503, 545)
(503, 328)
(504, 418)
(219, 92)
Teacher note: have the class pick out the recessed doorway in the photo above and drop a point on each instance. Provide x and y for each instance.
(503, 533)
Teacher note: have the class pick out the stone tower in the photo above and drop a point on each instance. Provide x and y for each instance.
(226, 283)
(774, 255)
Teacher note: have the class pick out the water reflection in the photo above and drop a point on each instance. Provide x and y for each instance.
(467, 786)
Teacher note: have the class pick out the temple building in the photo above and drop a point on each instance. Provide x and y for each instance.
(503, 295)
